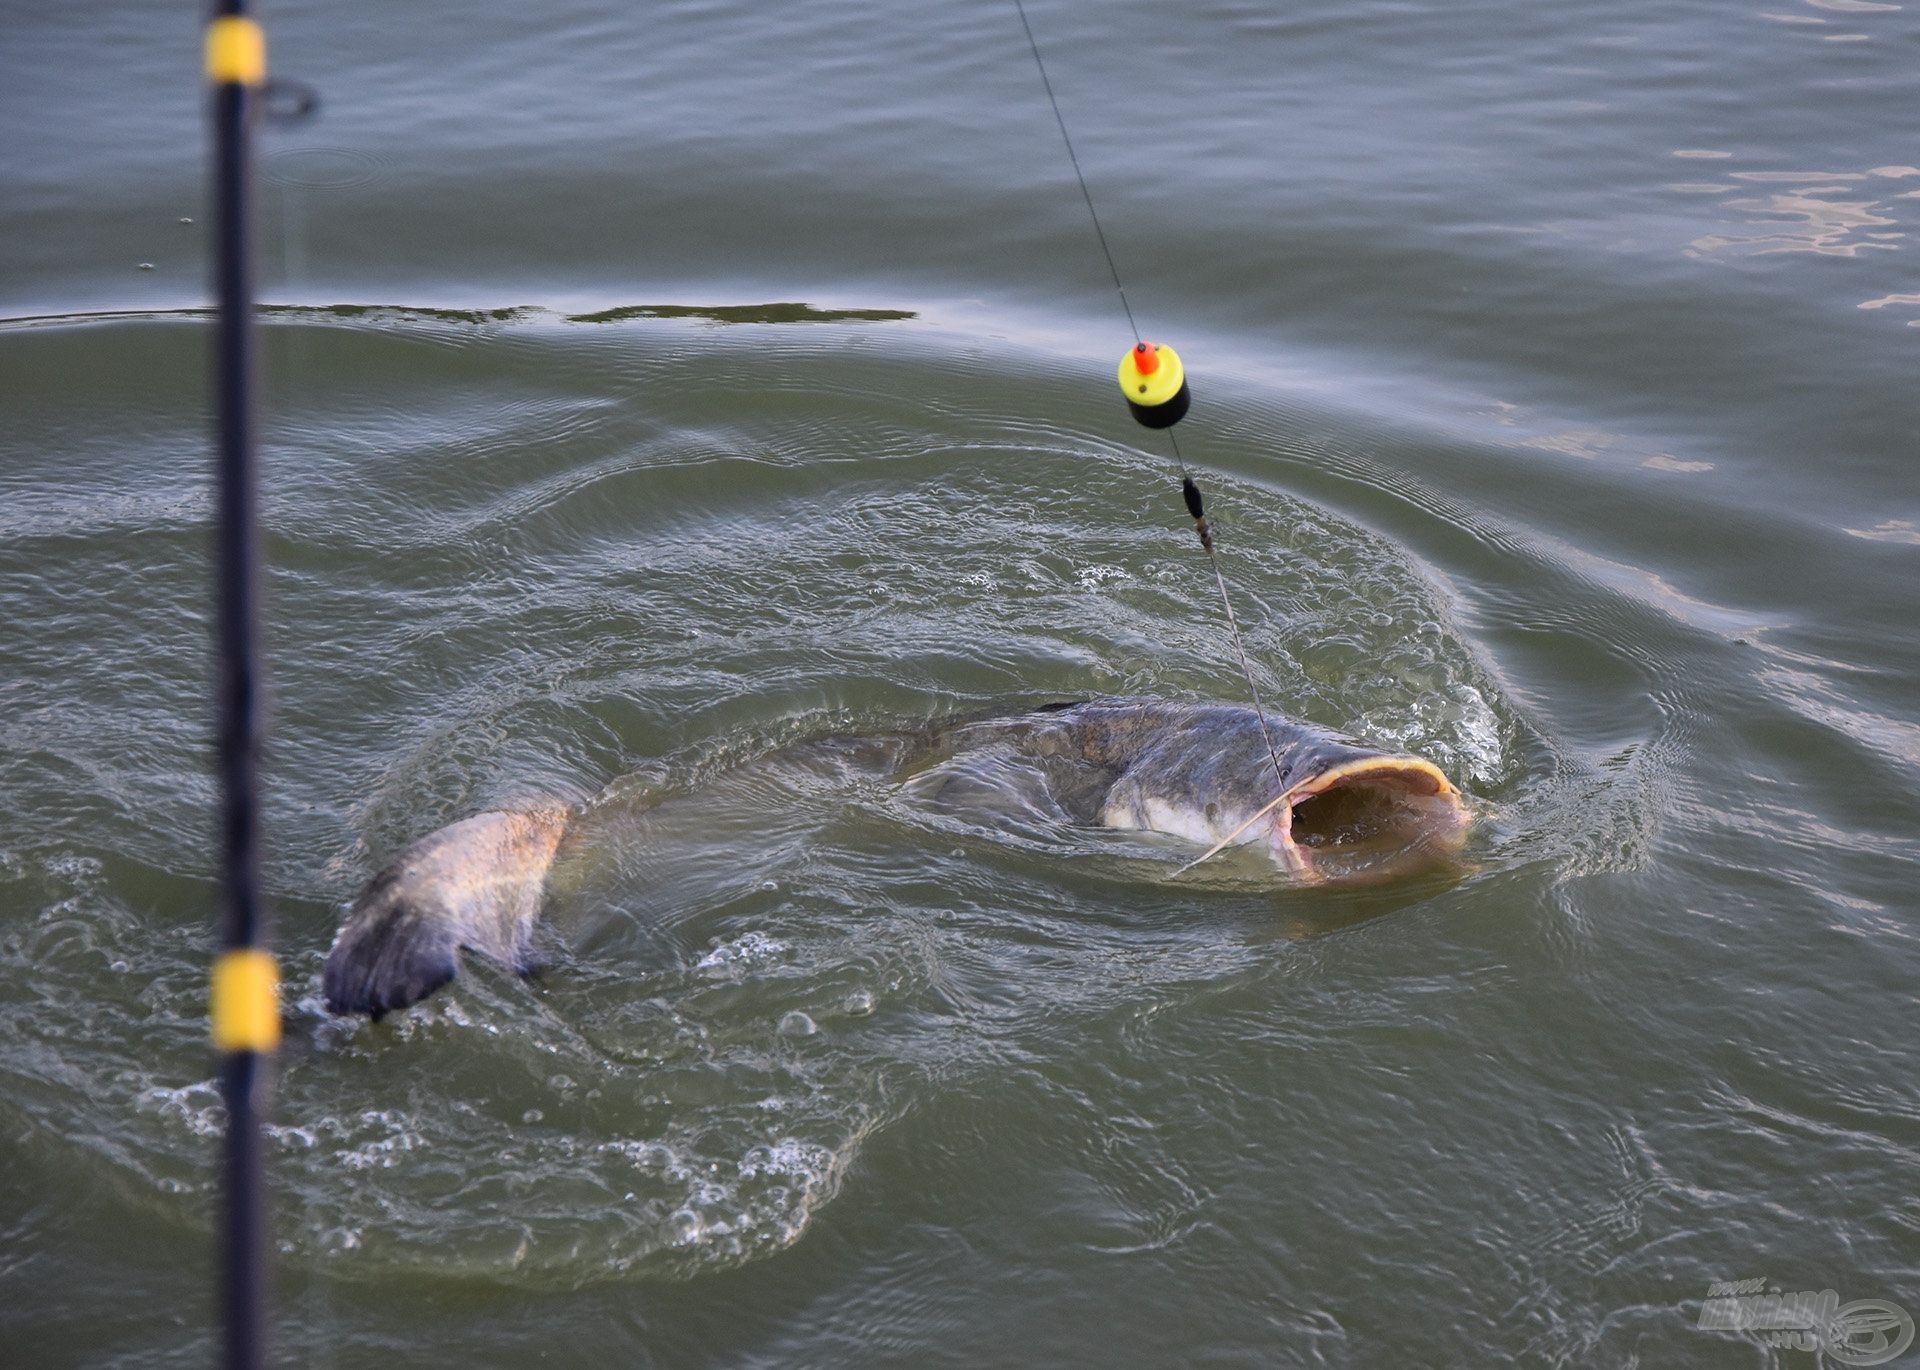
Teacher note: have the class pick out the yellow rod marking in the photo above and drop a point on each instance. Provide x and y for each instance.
(246, 1001)
(236, 51)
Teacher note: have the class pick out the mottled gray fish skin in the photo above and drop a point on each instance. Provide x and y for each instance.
(1190, 755)
(475, 885)
(1197, 771)
(1202, 771)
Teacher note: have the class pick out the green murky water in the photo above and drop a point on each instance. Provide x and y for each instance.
(648, 392)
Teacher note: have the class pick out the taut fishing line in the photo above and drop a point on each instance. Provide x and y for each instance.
(1155, 385)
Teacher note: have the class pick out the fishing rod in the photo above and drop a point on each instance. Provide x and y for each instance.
(1154, 383)
(244, 1004)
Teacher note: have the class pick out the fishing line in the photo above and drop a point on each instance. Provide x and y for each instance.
(1086, 194)
(1157, 403)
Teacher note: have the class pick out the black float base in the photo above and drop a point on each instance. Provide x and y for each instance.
(1164, 415)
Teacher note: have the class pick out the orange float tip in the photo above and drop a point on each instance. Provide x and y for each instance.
(1146, 358)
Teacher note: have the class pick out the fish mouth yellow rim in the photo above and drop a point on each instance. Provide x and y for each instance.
(1290, 852)
(1369, 765)
(1432, 785)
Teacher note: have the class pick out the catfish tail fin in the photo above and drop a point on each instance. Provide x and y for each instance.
(476, 885)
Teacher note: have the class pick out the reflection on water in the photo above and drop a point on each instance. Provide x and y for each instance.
(1885, 300)
(1806, 218)
(1891, 530)
(1591, 444)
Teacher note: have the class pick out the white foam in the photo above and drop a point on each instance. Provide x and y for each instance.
(745, 950)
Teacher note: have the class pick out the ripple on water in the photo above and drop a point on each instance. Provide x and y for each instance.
(569, 585)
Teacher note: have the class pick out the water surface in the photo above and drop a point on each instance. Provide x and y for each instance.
(649, 393)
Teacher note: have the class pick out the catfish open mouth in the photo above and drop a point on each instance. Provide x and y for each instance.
(1375, 812)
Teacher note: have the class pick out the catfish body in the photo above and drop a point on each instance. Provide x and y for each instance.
(1202, 772)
